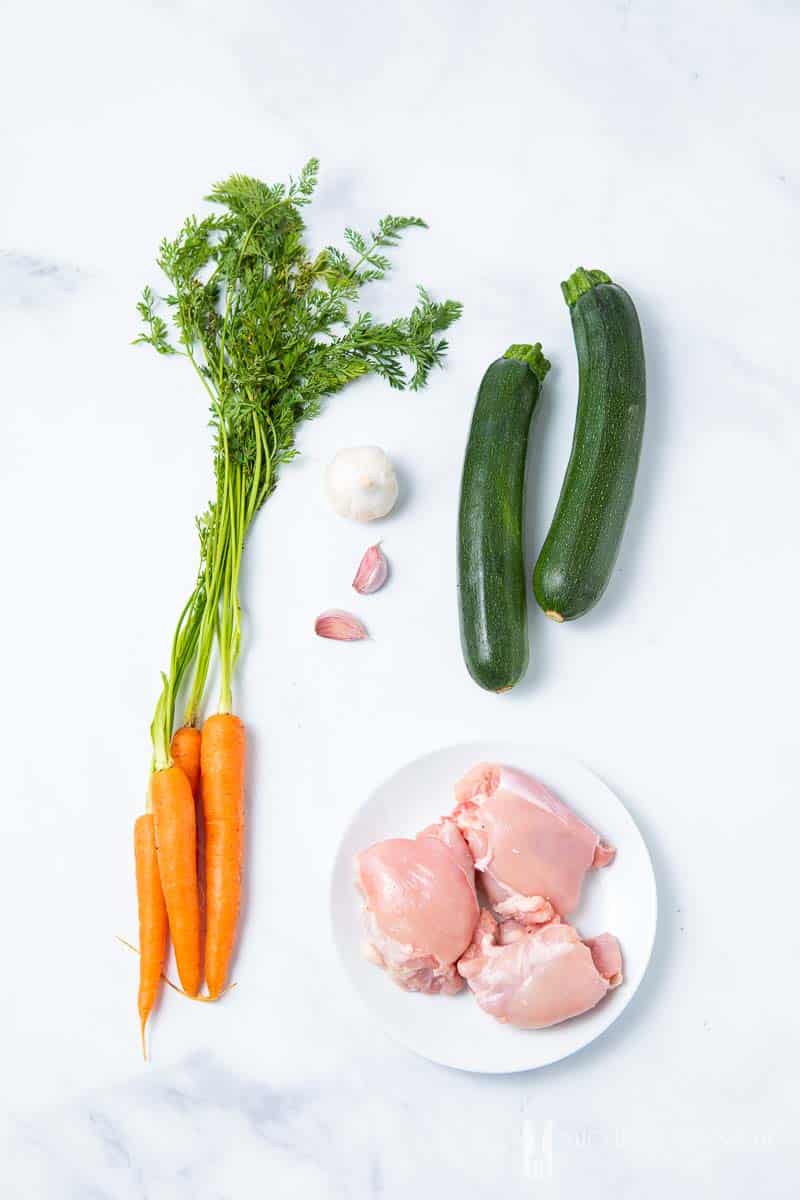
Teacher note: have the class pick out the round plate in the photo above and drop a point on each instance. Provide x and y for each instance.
(620, 899)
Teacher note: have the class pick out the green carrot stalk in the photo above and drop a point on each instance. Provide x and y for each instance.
(271, 330)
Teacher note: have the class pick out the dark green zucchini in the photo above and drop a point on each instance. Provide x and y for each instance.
(580, 550)
(491, 570)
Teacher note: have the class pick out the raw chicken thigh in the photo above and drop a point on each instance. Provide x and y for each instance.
(533, 978)
(524, 965)
(531, 850)
(420, 907)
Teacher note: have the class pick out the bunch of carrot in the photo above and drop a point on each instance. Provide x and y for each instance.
(196, 785)
(269, 331)
(165, 843)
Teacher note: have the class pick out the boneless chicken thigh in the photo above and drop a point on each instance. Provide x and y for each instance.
(531, 850)
(420, 907)
(532, 977)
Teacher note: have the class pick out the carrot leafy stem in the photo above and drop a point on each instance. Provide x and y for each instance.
(271, 330)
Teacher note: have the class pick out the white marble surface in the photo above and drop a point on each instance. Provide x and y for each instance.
(658, 141)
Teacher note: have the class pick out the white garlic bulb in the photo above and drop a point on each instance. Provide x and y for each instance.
(361, 483)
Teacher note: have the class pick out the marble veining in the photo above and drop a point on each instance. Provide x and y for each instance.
(26, 279)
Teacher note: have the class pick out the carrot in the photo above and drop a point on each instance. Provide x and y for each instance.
(173, 811)
(152, 918)
(166, 979)
(222, 755)
(185, 752)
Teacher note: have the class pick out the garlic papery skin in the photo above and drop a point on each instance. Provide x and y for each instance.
(361, 483)
(340, 626)
(372, 571)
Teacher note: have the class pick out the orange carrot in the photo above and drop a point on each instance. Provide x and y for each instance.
(173, 810)
(185, 752)
(152, 918)
(222, 756)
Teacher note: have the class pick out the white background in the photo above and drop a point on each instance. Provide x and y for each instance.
(657, 141)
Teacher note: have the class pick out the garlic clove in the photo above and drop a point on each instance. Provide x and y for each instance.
(340, 626)
(372, 571)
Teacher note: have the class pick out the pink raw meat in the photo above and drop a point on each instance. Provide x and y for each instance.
(533, 978)
(607, 956)
(531, 850)
(420, 907)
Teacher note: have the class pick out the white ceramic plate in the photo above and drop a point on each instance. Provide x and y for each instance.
(621, 899)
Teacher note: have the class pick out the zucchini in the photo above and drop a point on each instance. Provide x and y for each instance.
(491, 569)
(580, 550)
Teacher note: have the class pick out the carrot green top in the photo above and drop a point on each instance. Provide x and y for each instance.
(270, 330)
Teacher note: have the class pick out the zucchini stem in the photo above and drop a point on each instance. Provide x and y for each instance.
(580, 282)
(532, 355)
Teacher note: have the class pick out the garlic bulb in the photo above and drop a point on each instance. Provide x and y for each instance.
(361, 483)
